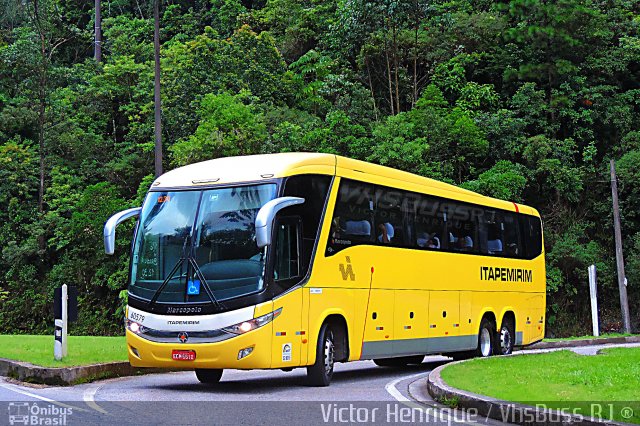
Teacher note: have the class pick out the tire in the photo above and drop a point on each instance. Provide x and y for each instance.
(486, 339)
(321, 372)
(209, 375)
(402, 361)
(507, 337)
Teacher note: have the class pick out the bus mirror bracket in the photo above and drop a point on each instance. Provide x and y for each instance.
(266, 214)
(112, 223)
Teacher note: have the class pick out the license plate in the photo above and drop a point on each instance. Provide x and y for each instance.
(178, 355)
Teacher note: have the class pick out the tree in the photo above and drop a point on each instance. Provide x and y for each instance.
(227, 127)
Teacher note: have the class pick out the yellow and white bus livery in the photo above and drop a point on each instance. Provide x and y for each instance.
(303, 260)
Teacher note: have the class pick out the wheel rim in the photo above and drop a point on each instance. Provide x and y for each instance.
(329, 354)
(505, 340)
(485, 342)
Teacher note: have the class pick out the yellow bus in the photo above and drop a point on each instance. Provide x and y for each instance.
(303, 260)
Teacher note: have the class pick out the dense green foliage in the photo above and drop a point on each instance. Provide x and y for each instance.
(525, 100)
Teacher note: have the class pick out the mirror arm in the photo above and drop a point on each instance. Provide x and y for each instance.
(112, 223)
(266, 214)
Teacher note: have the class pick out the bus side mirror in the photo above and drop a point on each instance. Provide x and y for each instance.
(266, 214)
(112, 223)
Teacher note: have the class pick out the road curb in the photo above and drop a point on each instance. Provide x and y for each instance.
(585, 342)
(505, 411)
(66, 376)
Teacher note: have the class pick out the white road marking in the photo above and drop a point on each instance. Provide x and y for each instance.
(89, 395)
(443, 413)
(41, 398)
(395, 393)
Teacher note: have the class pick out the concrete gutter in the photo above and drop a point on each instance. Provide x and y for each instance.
(65, 376)
(504, 411)
(584, 342)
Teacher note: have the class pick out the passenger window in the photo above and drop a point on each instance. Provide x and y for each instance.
(509, 226)
(287, 249)
(352, 221)
(429, 223)
(389, 217)
(499, 234)
(490, 233)
(461, 226)
(531, 229)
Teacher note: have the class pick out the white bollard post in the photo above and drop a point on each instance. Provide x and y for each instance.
(64, 320)
(57, 343)
(593, 289)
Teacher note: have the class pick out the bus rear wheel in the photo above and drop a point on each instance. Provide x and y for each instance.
(507, 337)
(486, 338)
(321, 372)
(402, 361)
(209, 375)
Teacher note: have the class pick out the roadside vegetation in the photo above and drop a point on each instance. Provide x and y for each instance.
(82, 350)
(587, 337)
(561, 379)
(524, 100)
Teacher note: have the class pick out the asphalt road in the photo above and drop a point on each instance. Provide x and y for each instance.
(360, 392)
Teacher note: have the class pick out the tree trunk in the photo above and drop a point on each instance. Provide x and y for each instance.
(42, 109)
(395, 66)
(390, 84)
(98, 30)
(373, 96)
(415, 56)
(157, 103)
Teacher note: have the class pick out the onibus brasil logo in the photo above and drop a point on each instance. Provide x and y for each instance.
(26, 413)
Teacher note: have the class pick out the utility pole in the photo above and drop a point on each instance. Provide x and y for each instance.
(156, 91)
(98, 35)
(622, 279)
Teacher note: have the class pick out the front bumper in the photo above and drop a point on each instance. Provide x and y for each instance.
(224, 354)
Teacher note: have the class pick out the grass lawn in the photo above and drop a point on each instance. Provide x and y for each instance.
(559, 379)
(602, 336)
(82, 349)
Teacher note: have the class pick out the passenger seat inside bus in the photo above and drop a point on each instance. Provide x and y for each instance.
(494, 246)
(358, 227)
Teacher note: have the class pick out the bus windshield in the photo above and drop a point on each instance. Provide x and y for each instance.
(186, 237)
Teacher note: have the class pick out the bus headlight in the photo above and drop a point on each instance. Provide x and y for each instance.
(135, 327)
(246, 326)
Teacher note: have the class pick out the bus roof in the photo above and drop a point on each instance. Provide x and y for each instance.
(252, 168)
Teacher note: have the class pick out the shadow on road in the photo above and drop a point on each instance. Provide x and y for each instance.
(297, 378)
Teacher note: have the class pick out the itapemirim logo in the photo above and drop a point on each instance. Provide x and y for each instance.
(347, 271)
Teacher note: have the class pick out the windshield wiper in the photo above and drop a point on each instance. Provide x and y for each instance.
(205, 284)
(196, 269)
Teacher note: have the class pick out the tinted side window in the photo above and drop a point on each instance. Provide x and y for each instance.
(462, 226)
(314, 189)
(287, 253)
(390, 224)
(353, 216)
(531, 230)
(509, 225)
(490, 233)
(429, 222)
(377, 215)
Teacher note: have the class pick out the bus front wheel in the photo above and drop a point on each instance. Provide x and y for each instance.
(486, 338)
(209, 375)
(320, 373)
